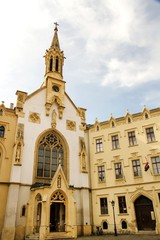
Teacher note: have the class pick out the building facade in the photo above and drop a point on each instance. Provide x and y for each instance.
(125, 170)
(62, 174)
(8, 123)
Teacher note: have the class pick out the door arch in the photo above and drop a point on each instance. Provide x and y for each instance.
(57, 212)
(144, 213)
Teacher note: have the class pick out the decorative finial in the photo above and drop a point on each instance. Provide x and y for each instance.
(56, 26)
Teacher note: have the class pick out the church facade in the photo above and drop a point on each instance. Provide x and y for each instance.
(61, 178)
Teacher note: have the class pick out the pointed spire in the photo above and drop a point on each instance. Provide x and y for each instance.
(55, 41)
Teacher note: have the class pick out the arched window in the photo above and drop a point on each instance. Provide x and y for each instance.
(23, 211)
(113, 124)
(50, 155)
(105, 225)
(2, 130)
(129, 120)
(50, 64)
(1, 112)
(57, 63)
(124, 224)
(146, 115)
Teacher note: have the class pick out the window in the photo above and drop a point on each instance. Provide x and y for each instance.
(105, 225)
(136, 168)
(132, 138)
(57, 63)
(156, 164)
(115, 142)
(99, 147)
(124, 224)
(2, 130)
(23, 213)
(50, 154)
(1, 112)
(103, 205)
(101, 173)
(118, 170)
(146, 115)
(150, 134)
(50, 64)
(129, 120)
(122, 204)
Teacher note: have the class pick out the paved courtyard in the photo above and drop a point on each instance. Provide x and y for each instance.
(122, 237)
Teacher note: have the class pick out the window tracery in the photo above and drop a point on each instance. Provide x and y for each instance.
(50, 155)
(58, 196)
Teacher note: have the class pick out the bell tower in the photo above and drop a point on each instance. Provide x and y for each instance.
(53, 78)
(54, 57)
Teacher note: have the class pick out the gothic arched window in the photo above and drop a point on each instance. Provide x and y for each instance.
(2, 130)
(57, 63)
(50, 155)
(50, 64)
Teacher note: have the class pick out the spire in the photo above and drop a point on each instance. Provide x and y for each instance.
(55, 41)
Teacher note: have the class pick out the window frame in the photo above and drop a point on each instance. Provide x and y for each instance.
(50, 152)
(99, 145)
(118, 168)
(122, 204)
(156, 165)
(136, 166)
(132, 138)
(103, 205)
(2, 131)
(115, 142)
(150, 134)
(101, 173)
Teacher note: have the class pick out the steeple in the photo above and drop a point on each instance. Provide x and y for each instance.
(54, 58)
(55, 41)
(53, 78)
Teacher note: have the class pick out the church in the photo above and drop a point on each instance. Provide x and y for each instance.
(61, 177)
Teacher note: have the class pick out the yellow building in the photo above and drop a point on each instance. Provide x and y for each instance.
(61, 178)
(125, 172)
(8, 123)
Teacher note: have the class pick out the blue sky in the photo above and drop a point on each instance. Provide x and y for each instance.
(112, 50)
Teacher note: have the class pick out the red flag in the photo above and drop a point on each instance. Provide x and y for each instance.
(146, 167)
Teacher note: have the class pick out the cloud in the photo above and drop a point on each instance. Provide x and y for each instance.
(108, 45)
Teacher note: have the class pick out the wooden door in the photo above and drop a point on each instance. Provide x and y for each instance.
(144, 214)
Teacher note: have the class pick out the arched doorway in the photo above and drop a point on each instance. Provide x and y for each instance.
(144, 214)
(57, 212)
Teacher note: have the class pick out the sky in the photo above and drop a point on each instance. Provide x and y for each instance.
(112, 50)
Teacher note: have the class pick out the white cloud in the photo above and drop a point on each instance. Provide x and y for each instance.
(108, 43)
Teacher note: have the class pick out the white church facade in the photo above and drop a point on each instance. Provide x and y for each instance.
(63, 175)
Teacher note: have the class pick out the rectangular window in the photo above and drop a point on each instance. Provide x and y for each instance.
(115, 142)
(132, 138)
(101, 173)
(99, 146)
(150, 134)
(156, 164)
(118, 170)
(103, 205)
(122, 204)
(136, 168)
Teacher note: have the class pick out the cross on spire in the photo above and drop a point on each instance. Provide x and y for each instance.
(56, 26)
